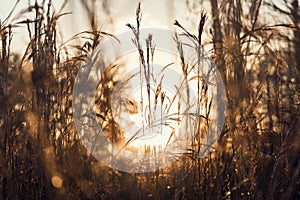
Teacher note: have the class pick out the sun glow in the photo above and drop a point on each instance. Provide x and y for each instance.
(156, 113)
(148, 112)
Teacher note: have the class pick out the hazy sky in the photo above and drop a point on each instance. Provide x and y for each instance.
(156, 13)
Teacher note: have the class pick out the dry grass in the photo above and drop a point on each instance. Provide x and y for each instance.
(256, 157)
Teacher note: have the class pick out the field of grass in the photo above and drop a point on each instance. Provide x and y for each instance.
(256, 156)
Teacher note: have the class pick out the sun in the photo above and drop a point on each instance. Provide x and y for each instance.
(147, 111)
(158, 112)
